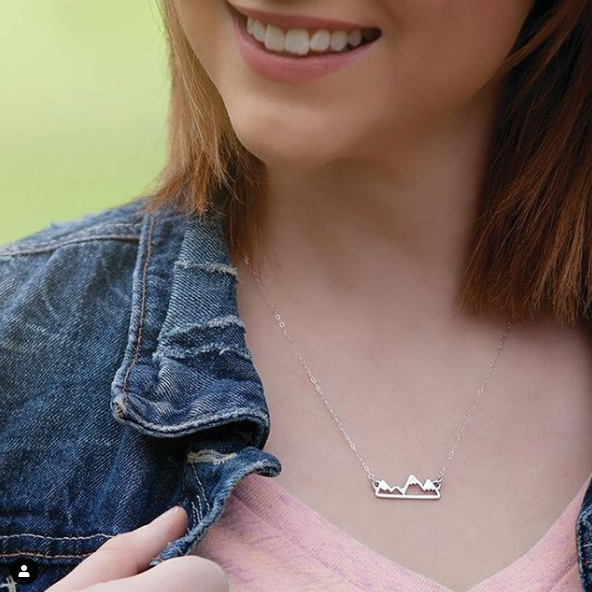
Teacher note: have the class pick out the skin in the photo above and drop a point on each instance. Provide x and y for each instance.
(385, 153)
(372, 174)
(372, 189)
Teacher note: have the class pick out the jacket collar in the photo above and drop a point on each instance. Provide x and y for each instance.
(186, 366)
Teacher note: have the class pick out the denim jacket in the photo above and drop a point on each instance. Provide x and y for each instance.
(126, 387)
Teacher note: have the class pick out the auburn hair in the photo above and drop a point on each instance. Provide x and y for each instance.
(530, 248)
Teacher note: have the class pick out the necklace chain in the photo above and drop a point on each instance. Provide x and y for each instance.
(375, 481)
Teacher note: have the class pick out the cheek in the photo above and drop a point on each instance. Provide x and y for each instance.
(206, 25)
(445, 51)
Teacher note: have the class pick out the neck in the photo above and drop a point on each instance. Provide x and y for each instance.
(387, 228)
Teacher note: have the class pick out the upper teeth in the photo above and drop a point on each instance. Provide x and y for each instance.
(300, 41)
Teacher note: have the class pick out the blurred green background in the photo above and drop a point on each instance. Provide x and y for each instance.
(84, 91)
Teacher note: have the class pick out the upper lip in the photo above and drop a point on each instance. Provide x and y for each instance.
(288, 21)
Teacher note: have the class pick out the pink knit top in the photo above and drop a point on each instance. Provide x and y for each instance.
(267, 540)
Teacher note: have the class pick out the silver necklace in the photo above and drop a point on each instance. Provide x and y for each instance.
(430, 488)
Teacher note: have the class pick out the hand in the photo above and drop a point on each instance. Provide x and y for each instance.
(119, 564)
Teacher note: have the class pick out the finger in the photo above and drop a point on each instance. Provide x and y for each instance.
(126, 554)
(180, 574)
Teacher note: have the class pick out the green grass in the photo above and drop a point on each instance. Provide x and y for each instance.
(82, 108)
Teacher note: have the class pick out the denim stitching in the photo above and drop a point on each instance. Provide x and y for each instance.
(112, 225)
(199, 511)
(199, 494)
(203, 492)
(196, 512)
(26, 553)
(141, 321)
(83, 233)
(52, 538)
(44, 248)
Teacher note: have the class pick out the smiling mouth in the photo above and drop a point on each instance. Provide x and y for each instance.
(310, 43)
(356, 37)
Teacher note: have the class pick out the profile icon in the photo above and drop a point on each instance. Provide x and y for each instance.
(24, 570)
(24, 573)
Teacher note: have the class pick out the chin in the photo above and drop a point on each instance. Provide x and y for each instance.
(294, 141)
(291, 150)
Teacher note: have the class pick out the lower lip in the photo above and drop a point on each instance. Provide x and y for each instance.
(286, 68)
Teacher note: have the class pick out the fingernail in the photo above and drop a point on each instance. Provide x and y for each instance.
(168, 514)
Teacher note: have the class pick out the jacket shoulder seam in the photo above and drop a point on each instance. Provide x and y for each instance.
(124, 231)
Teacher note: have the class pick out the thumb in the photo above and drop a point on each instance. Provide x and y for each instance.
(126, 554)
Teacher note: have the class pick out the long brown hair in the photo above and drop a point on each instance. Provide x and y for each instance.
(530, 246)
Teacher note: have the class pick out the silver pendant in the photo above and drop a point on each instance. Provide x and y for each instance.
(430, 489)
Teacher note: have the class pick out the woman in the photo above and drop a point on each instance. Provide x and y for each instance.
(410, 184)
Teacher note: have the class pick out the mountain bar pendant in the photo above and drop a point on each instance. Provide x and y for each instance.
(430, 490)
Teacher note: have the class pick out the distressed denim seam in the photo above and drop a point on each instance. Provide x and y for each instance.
(142, 311)
(219, 321)
(237, 412)
(47, 248)
(169, 351)
(211, 267)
